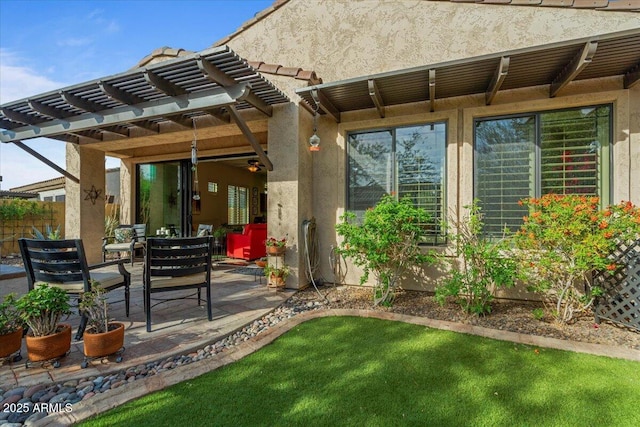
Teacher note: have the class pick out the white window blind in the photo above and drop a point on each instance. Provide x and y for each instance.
(560, 152)
(238, 205)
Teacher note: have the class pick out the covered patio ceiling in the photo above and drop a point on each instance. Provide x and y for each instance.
(145, 102)
(556, 65)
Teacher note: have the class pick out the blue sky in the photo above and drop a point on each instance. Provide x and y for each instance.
(46, 45)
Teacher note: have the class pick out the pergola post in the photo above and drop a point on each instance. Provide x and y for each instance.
(84, 201)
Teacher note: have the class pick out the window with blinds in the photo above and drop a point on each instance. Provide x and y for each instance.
(560, 152)
(238, 205)
(405, 161)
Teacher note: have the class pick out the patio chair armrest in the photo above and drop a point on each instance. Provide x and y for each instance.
(118, 262)
(106, 240)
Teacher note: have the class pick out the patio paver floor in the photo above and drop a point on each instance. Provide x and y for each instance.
(178, 327)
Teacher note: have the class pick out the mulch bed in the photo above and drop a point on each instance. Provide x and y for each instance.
(508, 315)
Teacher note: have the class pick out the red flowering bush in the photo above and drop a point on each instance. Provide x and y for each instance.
(564, 239)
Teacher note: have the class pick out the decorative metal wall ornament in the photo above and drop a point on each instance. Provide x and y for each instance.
(194, 162)
(92, 194)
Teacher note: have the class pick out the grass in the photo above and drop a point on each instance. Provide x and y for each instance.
(370, 372)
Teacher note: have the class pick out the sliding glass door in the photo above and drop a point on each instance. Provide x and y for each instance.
(161, 192)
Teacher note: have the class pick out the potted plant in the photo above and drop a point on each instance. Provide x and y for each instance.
(276, 276)
(10, 328)
(41, 309)
(262, 262)
(102, 337)
(219, 236)
(276, 246)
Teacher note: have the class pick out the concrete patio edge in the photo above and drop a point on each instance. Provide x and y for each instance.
(111, 399)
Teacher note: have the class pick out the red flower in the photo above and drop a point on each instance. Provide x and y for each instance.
(603, 225)
(611, 267)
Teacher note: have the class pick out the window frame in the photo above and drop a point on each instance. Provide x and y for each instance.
(605, 178)
(438, 239)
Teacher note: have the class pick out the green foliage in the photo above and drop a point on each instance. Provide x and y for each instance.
(281, 271)
(111, 222)
(42, 307)
(538, 313)
(481, 269)
(49, 234)
(385, 244)
(564, 239)
(10, 319)
(220, 232)
(13, 209)
(93, 304)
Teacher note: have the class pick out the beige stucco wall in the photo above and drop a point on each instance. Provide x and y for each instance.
(340, 39)
(344, 39)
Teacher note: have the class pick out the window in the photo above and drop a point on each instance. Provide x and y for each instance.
(238, 205)
(561, 152)
(405, 161)
(60, 198)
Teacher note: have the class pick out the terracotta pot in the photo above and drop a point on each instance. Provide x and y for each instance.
(276, 281)
(261, 264)
(275, 250)
(104, 344)
(49, 347)
(10, 343)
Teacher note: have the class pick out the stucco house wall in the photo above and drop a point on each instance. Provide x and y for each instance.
(345, 39)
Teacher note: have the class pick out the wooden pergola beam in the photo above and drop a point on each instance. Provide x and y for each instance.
(498, 78)
(432, 90)
(374, 93)
(573, 68)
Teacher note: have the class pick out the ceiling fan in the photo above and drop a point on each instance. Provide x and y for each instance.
(255, 165)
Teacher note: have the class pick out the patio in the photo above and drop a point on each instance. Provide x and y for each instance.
(179, 327)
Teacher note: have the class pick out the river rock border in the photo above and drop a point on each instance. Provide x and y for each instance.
(25, 406)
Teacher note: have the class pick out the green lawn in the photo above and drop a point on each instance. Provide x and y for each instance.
(358, 371)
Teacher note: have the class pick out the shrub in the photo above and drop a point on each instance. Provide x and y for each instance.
(9, 315)
(18, 208)
(564, 239)
(480, 269)
(93, 304)
(42, 307)
(386, 243)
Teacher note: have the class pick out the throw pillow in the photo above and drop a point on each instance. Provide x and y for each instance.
(123, 235)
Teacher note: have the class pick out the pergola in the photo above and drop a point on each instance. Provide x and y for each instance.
(151, 102)
(555, 65)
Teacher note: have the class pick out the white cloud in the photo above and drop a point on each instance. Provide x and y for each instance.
(74, 42)
(18, 81)
(112, 27)
(17, 167)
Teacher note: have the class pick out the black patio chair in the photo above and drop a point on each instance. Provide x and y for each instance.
(173, 264)
(62, 263)
(126, 238)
